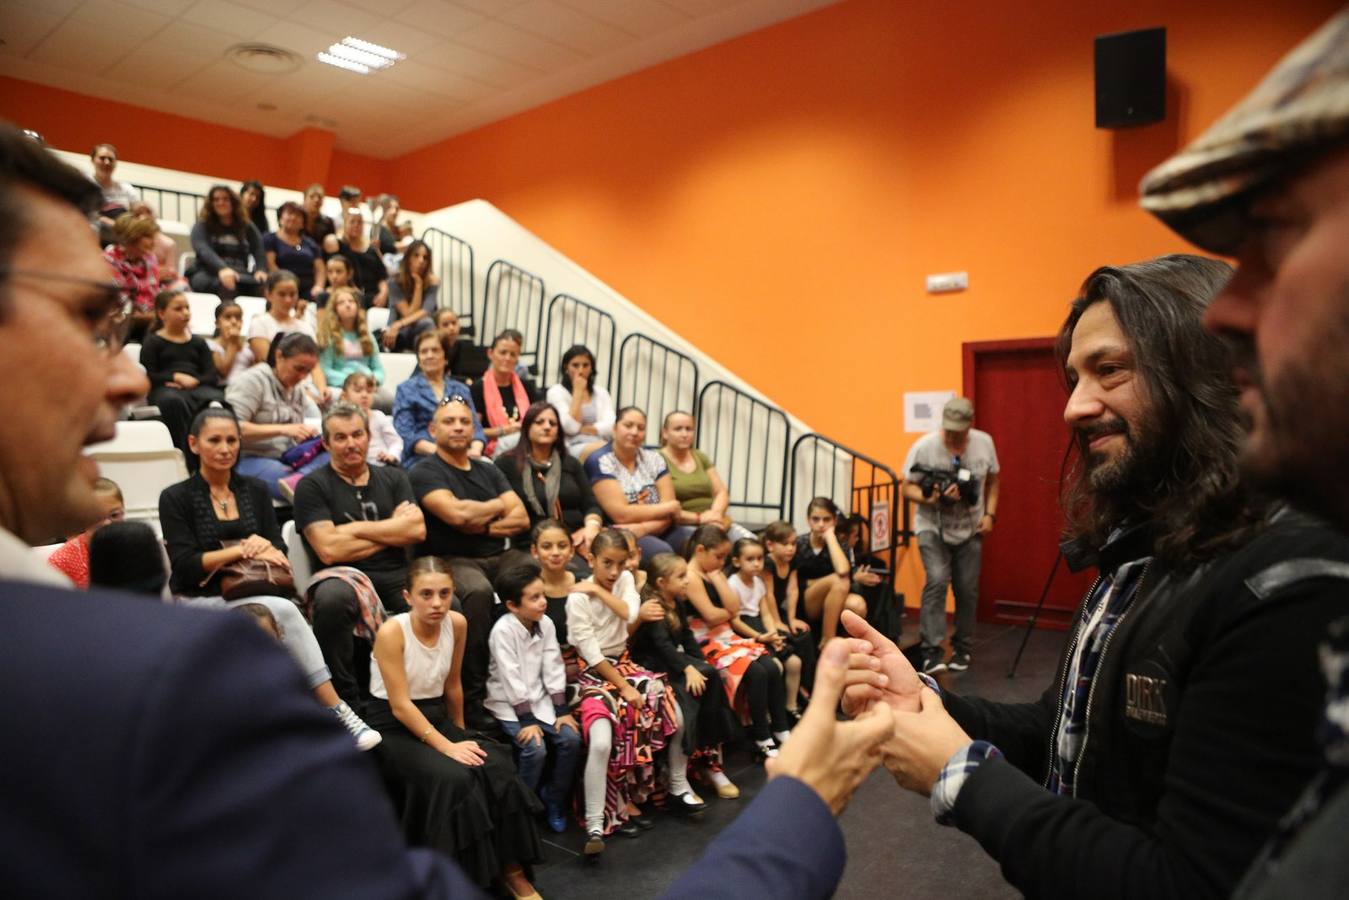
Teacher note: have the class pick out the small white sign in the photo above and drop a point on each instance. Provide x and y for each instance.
(922, 410)
(880, 526)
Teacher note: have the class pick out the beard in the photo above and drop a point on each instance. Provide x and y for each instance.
(1114, 476)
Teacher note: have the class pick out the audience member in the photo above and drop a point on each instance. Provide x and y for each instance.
(117, 196)
(229, 253)
(527, 690)
(550, 545)
(1204, 589)
(135, 268)
(501, 405)
(283, 293)
(757, 618)
(345, 344)
(388, 239)
(466, 360)
(586, 411)
(317, 226)
(272, 406)
(127, 556)
(72, 558)
(668, 647)
(230, 352)
(702, 495)
(633, 486)
(824, 571)
(739, 659)
(336, 273)
(359, 521)
(627, 713)
(779, 541)
(471, 511)
(427, 389)
(951, 524)
(165, 250)
(454, 792)
(217, 519)
(290, 249)
(182, 372)
(253, 201)
(367, 266)
(413, 298)
(552, 484)
(386, 447)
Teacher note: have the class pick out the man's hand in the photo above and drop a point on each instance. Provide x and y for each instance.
(407, 510)
(878, 671)
(923, 744)
(833, 757)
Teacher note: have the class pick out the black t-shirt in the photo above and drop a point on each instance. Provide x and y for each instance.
(507, 393)
(557, 611)
(810, 563)
(481, 481)
(323, 496)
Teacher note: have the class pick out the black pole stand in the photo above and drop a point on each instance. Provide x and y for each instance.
(1039, 607)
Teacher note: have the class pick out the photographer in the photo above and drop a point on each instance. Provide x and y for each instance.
(952, 475)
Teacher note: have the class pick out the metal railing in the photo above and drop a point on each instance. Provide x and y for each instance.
(174, 206)
(670, 383)
(823, 467)
(513, 298)
(749, 440)
(573, 321)
(452, 257)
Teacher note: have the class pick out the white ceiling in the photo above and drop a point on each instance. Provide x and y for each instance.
(469, 62)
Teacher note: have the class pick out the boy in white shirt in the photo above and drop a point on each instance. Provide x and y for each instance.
(527, 688)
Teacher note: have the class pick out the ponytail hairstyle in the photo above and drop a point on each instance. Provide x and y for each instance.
(546, 525)
(223, 307)
(662, 565)
(740, 545)
(162, 301)
(778, 532)
(707, 537)
(825, 504)
(427, 565)
(608, 539)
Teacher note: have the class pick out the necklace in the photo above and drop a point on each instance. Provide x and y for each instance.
(222, 502)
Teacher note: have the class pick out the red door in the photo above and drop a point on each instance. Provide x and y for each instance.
(1018, 399)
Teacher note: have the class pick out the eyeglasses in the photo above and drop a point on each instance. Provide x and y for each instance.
(109, 326)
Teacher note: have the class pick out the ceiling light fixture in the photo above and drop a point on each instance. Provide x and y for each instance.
(356, 55)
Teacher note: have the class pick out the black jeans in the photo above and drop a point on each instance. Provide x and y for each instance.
(335, 612)
(766, 696)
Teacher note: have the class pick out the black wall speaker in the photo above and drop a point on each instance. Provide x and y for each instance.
(1131, 78)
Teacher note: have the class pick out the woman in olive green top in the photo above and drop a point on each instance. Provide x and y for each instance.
(700, 491)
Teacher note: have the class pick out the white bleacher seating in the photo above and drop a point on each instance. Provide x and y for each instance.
(251, 306)
(185, 262)
(377, 318)
(298, 555)
(397, 367)
(203, 312)
(44, 552)
(143, 461)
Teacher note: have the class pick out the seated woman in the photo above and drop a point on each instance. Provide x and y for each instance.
(316, 225)
(452, 792)
(741, 660)
(182, 372)
(667, 646)
(702, 495)
(417, 399)
(413, 296)
(136, 269)
(633, 487)
(229, 350)
(272, 405)
(824, 571)
(552, 484)
(366, 263)
(283, 294)
(117, 195)
(501, 396)
(289, 248)
(586, 411)
(166, 250)
(253, 200)
(217, 517)
(467, 361)
(229, 253)
(345, 344)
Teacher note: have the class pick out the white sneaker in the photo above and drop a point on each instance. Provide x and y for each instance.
(781, 737)
(366, 737)
(766, 748)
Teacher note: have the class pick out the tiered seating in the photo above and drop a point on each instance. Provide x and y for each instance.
(143, 461)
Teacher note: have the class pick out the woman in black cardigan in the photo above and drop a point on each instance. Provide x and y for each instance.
(556, 486)
(217, 517)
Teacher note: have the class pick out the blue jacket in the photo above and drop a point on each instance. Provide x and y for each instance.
(414, 405)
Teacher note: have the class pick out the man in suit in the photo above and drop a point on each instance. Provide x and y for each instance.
(157, 751)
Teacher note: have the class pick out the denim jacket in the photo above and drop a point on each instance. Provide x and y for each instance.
(415, 404)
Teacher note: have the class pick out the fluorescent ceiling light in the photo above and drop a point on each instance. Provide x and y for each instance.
(356, 55)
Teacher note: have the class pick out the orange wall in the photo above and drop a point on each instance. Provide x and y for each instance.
(778, 199)
(76, 122)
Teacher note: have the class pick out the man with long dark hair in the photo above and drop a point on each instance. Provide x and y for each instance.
(1269, 185)
(1179, 727)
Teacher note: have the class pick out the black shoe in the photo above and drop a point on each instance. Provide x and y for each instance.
(932, 662)
(686, 803)
(629, 829)
(959, 662)
(643, 822)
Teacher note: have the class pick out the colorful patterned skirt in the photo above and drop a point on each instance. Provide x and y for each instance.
(731, 654)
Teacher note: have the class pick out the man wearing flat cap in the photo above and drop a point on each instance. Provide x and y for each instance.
(952, 475)
(1269, 184)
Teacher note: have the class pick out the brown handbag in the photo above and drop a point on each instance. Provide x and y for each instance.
(254, 578)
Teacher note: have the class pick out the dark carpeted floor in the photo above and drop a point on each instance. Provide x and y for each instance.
(894, 847)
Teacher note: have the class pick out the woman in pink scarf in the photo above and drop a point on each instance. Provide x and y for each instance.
(502, 396)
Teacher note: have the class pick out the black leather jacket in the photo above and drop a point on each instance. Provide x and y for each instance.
(1199, 727)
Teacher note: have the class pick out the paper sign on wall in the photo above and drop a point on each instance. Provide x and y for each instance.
(922, 410)
(880, 526)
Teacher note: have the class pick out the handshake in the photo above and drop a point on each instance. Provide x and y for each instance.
(895, 719)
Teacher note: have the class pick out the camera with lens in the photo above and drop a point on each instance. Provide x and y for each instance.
(938, 480)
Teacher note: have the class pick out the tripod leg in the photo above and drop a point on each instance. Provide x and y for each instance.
(1030, 623)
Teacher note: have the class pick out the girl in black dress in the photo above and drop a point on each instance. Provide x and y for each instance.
(182, 372)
